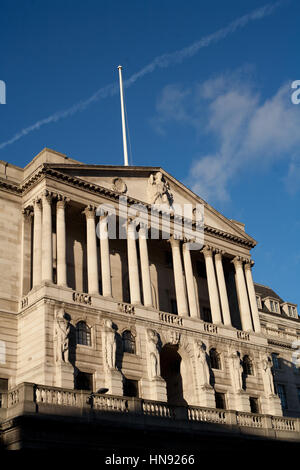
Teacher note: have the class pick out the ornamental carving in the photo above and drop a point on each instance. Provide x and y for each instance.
(159, 190)
(119, 185)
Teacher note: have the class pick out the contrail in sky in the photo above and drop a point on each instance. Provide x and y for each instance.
(161, 61)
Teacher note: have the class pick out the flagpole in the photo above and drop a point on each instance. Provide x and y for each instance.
(123, 117)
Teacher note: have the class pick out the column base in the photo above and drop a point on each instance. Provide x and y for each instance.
(64, 375)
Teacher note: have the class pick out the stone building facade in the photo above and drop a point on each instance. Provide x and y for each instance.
(135, 323)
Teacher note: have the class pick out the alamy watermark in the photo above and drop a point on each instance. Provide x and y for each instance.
(295, 97)
(159, 221)
(2, 92)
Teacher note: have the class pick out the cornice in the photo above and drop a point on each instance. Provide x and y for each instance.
(48, 170)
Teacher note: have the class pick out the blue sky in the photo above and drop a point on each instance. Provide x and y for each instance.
(216, 115)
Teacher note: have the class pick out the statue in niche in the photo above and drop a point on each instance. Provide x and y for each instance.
(110, 344)
(61, 336)
(237, 368)
(204, 368)
(153, 341)
(268, 375)
(159, 189)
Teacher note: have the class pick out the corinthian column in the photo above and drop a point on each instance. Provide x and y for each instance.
(252, 298)
(92, 264)
(47, 262)
(133, 269)
(26, 251)
(61, 241)
(37, 243)
(147, 294)
(222, 288)
(188, 268)
(181, 299)
(104, 256)
(242, 294)
(212, 285)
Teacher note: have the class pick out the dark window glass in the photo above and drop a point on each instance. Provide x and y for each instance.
(201, 269)
(128, 342)
(83, 334)
(247, 366)
(168, 259)
(174, 306)
(254, 406)
(207, 314)
(131, 388)
(282, 395)
(3, 385)
(214, 359)
(220, 400)
(83, 381)
(276, 361)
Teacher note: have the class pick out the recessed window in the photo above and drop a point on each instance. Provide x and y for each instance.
(174, 306)
(292, 311)
(130, 388)
(83, 334)
(247, 366)
(83, 381)
(220, 401)
(207, 314)
(215, 360)
(254, 405)
(201, 269)
(281, 392)
(276, 361)
(168, 259)
(128, 342)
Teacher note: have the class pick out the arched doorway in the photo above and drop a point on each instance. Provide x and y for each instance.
(171, 367)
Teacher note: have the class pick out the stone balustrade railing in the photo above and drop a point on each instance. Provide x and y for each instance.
(45, 399)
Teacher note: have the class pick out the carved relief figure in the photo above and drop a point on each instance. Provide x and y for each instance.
(110, 344)
(154, 364)
(268, 375)
(237, 369)
(61, 336)
(159, 190)
(202, 360)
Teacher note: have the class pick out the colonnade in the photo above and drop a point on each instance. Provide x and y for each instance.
(186, 293)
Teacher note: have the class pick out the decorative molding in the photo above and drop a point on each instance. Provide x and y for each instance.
(119, 185)
(210, 328)
(126, 308)
(170, 319)
(82, 298)
(46, 170)
(243, 335)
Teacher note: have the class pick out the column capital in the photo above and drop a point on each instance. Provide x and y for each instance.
(47, 196)
(208, 250)
(143, 228)
(249, 263)
(237, 260)
(89, 211)
(37, 203)
(62, 201)
(27, 213)
(174, 241)
(219, 253)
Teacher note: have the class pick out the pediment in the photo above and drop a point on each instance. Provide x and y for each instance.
(151, 185)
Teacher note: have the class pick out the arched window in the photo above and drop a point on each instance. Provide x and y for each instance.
(247, 365)
(83, 334)
(128, 342)
(215, 361)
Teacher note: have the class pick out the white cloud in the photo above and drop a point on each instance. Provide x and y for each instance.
(245, 129)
